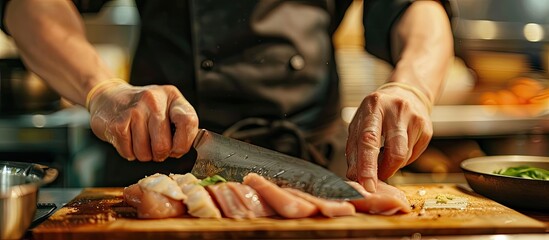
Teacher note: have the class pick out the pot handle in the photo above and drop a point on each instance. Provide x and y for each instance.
(50, 174)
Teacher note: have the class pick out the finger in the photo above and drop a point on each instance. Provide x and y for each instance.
(396, 150)
(368, 152)
(395, 153)
(424, 137)
(160, 135)
(122, 138)
(161, 138)
(184, 117)
(351, 156)
(350, 151)
(140, 138)
(368, 147)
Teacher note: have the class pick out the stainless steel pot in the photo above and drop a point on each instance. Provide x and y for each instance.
(19, 185)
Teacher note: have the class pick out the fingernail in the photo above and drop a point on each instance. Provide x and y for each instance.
(370, 185)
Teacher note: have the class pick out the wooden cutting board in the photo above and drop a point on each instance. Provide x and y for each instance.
(100, 213)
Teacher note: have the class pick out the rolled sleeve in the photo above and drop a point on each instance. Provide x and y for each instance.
(379, 18)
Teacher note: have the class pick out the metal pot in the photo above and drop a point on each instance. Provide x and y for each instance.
(19, 185)
(22, 91)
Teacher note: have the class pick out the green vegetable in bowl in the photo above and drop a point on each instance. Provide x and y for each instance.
(525, 172)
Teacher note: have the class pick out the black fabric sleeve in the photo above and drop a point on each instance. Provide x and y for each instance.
(379, 18)
(89, 6)
(3, 4)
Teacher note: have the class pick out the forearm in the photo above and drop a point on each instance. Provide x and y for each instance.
(51, 40)
(422, 47)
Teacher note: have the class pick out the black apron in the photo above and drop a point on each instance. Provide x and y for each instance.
(259, 71)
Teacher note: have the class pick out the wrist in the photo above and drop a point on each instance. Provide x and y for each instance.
(416, 91)
(100, 86)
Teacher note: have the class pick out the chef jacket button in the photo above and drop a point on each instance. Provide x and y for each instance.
(297, 62)
(207, 64)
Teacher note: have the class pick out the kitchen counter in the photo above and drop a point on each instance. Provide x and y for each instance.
(57, 196)
(60, 196)
(484, 120)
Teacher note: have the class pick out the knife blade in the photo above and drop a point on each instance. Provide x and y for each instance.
(233, 159)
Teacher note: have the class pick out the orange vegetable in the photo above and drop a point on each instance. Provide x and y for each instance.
(488, 98)
(540, 98)
(506, 97)
(525, 88)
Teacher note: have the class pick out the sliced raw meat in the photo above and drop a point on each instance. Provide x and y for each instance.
(199, 202)
(162, 184)
(132, 195)
(156, 196)
(184, 179)
(328, 208)
(251, 200)
(387, 200)
(229, 201)
(156, 205)
(239, 201)
(283, 202)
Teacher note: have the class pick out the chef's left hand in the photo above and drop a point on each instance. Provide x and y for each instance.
(393, 119)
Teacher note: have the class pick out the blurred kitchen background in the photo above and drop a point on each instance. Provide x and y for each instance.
(493, 100)
(36, 125)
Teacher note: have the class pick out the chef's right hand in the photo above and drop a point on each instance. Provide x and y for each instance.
(137, 120)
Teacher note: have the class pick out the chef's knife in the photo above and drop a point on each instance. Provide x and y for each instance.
(233, 159)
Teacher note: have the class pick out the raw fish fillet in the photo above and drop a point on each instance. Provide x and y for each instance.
(328, 208)
(162, 184)
(156, 205)
(199, 202)
(251, 200)
(132, 195)
(150, 204)
(162, 196)
(387, 200)
(283, 202)
(239, 201)
(229, 202)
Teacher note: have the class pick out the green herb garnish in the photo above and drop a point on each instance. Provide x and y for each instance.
(525, 172)
(211, 180)
(443, 199)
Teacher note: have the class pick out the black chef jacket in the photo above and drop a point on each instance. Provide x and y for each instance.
(262, 71)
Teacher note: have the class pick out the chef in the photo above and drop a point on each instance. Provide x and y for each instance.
(259, 71)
